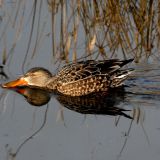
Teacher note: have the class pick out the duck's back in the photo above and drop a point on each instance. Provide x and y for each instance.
(85, 77)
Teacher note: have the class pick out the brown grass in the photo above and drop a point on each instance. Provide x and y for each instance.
(110, 27)
(88, 29)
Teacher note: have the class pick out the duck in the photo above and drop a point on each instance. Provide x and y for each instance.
(76, 79)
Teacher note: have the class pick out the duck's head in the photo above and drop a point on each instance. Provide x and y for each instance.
(35, 77)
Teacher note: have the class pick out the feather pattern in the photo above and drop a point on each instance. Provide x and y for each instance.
(76, 79)
(85, 77)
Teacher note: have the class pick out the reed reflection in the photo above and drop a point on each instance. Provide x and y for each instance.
(3, 75)
(101, 103)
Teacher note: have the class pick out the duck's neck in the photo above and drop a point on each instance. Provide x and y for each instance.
(51, 84)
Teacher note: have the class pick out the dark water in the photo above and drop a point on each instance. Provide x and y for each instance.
(120, 125)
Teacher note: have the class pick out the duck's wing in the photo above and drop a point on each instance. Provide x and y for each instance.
(85, 69)
(78, 71)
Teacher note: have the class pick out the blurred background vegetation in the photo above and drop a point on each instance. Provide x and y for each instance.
(79, 29)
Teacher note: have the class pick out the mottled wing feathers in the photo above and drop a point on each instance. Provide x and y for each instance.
(83, 69)
(77, 71)
(85, 77)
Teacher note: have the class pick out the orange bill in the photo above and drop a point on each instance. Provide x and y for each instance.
(15, 83)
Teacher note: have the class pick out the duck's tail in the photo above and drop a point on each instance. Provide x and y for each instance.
(117, 79)
(124, 62)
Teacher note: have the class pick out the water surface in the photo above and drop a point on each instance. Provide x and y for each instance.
(123, 126)
(120, 126)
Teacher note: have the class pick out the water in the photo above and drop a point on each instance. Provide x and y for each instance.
(89, 128)
(123, 126)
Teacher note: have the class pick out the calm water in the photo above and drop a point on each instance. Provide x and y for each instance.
(121, 126)
(87, 129)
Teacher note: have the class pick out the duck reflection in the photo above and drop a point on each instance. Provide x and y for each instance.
(101, 103)
(36, 97)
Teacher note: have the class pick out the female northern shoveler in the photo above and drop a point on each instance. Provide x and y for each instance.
(76, 79)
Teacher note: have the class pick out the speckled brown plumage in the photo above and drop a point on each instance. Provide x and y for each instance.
(90, 76)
